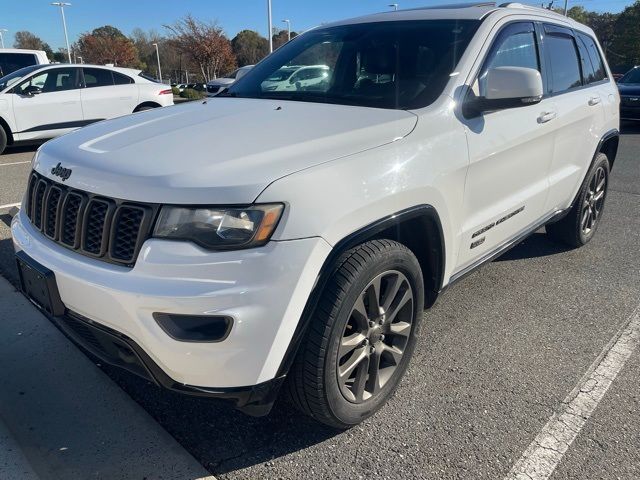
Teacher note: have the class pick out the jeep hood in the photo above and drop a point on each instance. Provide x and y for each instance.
(224, 151)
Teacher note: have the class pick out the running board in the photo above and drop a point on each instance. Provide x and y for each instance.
(506, 245)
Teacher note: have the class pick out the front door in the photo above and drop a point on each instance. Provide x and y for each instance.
(48, 104)
(510, 152)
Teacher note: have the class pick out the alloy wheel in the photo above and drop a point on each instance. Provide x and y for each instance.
(593, 201)
(375, 336)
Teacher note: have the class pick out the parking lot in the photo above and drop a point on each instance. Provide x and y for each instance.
(498, 355)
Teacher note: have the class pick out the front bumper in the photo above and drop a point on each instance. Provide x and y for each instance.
(264, 290)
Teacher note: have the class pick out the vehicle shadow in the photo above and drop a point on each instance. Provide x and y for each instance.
(221, 438)
(628, 127)
(24, 147)
(534, 246)
(8, 267)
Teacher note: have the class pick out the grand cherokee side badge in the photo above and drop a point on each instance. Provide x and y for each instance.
(60, 171)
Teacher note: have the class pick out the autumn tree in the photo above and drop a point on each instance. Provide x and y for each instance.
(249, 47)
(205, 44)
(29, 41)
(108, 45)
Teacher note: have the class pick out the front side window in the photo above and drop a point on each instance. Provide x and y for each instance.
(53, 80)
(515, 46)
(398, 65)
(563, 60)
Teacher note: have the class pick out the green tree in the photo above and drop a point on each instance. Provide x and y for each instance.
(625, 46)
(249, 47)
(29, 41)
(281, 37)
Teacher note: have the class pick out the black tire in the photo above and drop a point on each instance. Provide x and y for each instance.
(144, 108)
(3, 139)
(579, 226)
(313, 383)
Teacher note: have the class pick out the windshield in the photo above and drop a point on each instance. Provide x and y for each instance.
(632, 76)
(15, 77)
(399, 65)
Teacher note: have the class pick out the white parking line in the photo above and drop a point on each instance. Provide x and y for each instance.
(544, 454)
(10, 205)
(14, 163)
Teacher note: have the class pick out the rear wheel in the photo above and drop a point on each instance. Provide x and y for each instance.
(581, 223)
(362, 335)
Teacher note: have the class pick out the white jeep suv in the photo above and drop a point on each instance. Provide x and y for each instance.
(267, 238)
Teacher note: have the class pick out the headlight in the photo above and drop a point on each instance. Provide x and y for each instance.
(219, 228)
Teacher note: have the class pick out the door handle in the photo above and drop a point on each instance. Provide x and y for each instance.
(546, 117)
(594, 101)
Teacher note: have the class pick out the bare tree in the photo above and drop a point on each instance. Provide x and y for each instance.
(205, 43)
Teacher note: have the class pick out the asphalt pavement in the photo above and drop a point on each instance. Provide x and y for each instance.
(498, 355)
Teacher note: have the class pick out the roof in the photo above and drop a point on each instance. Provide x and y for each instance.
(459, 11)
(129, 71)
(20, 50)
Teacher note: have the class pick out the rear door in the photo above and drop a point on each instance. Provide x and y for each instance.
(48, 103)
(510, 152)
(107, 94)
(578, 104)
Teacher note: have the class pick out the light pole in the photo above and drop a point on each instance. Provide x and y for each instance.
(288, 22)
(565, 7)
(158, 55)
(2, 30)
(394, 5)
(270, 31)
(64, 24)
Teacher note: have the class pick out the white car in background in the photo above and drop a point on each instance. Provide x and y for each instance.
(214, 87)
(12, 59)
(297, 78)
(44, 101)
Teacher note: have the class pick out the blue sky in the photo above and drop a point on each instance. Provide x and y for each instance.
(39, 17)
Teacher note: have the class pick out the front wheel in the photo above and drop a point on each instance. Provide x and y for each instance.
(581, 223)
(3, 139)
(362, 335)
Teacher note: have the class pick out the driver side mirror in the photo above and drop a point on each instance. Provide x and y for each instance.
(31, 90)
(506, 87)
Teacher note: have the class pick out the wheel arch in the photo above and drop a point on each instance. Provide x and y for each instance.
(146, 104)
(609, 146)
(418, 228)
(5, 126)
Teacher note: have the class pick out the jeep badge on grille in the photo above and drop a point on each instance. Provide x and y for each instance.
(60, 171)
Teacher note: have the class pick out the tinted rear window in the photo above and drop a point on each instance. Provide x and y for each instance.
(598, 71)
(10, 62)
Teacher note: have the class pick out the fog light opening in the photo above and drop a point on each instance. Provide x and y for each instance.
(194, 328)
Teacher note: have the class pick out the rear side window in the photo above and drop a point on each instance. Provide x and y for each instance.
(563, 60)
(515, 47)
(120, 79)
(97, 77)
(598, 72)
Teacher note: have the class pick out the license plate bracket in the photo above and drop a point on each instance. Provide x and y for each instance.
(39, 285)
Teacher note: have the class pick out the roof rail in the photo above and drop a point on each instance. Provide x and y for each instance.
(531, 7)
(447, 6)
